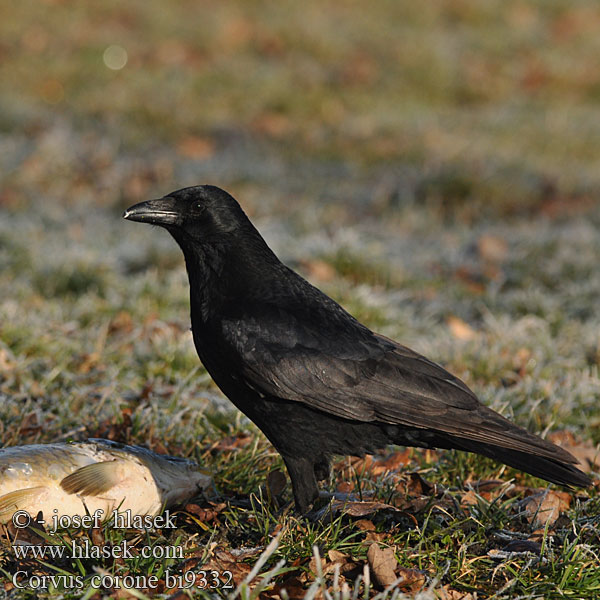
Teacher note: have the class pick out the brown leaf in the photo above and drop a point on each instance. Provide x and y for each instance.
(365, 525)
(585, 452)
(492, 248)
(29, 424)
(205, 514)
(97, 536)
(121, 323)
(272, 123)
(383, 565)
(373, 536)
(446, 593)
(359, 509)
(460, 329)
(293, 586)
(318, 269)
(336, 556)
(469, 499)
(225, 561)
(393, 462)
(234, 442)
(412, 579)
(374, 465)
(196, 147)
(416, 485)
(344, 487)
(545, 507)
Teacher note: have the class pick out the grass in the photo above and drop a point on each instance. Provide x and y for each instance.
(433, 167)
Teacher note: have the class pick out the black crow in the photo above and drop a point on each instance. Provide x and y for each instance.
(313, 379)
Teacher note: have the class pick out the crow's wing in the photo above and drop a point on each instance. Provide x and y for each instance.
(332, 363)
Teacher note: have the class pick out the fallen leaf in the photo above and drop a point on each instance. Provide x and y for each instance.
(359, 509)
(293, 586)
(120, 323)
(272, 123)
(446, 593)
(585, 452)
(344, 487)
(234, 442)
(488, 489)
(225, 561)
(412, 580)
(521, 359)
(373, 536)
(318, 269)
(469, 499)
(365, 525)
(196, 147)
(336, 556)
(545, 507)
(205, 514)
(383, 565)
(492, 248)
(460, 329)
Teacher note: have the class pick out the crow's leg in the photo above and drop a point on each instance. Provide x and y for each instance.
(322, 468)
(304, 482)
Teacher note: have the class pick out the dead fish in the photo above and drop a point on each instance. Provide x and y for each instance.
(78, 478)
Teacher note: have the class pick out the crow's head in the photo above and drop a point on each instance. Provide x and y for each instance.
(201, 213)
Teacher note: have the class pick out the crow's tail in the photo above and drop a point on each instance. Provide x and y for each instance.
(557, 470)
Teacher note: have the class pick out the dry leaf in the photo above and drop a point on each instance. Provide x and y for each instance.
(521, 360)
(272, 123)
(344, 487)
(225, 561)
(469, 499)
(318, 269)
(383, 565)
(545, 507)
(293, 586)
(488, 489)
(205, 514)
(196, 147)
(120, 323)
(233, 442)
(374, 465)
(336, 556)
(359, 509)
(365, 525)
(446, 593)
(372, 536)
(492, 248)
(412, 579)
(585, 452)
(460, 329)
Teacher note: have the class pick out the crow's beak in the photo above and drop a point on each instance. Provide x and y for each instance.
(157, 212)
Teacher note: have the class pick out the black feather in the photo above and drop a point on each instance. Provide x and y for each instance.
(315, 380)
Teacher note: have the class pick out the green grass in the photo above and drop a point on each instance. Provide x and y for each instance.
(379, 152)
